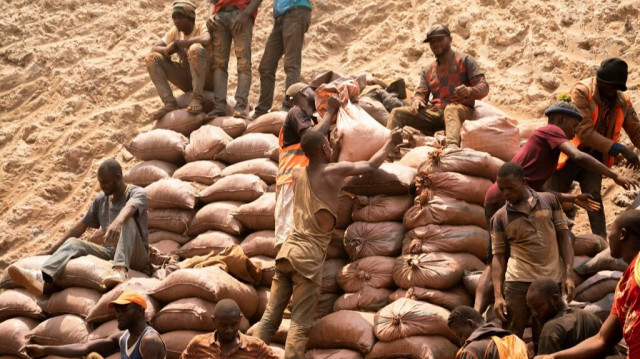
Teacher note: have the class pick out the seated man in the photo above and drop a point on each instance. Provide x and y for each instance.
(454, 80)
(483, 340)
(191, 41)
(227, 341)
(137, 341)
(562, 327)
(121, 212)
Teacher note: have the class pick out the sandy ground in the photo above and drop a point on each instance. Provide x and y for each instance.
(74, 88)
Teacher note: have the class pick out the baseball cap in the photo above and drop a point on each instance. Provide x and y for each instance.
(437, 30)
(129, 296)
(295, 89)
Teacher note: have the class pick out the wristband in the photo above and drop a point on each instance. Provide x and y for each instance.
(615, 149)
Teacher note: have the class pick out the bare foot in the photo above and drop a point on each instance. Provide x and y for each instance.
(172, 106)
(195, 106)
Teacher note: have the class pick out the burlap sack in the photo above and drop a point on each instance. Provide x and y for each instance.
(406, 317)
(376, 272)
(205, 143)
(375, 109)
(89, 272)
(181, 121)
(147, 172)
(105, 330)
(444, 238)
(417, 347)
(259, 214)
(250, 146)
(260, 243)
(470, 282)
(205, 172)
(176, 342)
(598, 286)
(189, 314)
(281, 334)
(78, 301)
(601, 308)
(430, 270)
(466, 188)
(467, 261)
(602, 261)
(166, 246)
(238, 187)
(444, 210)
(233, 126)
(588, 244)
(345, 329)
(345, 208)
(205, 243)
(13, 332)
(330, 270)
(217, 216)
(392, 179)
(362, 239)
(171, 220)
(34, 262)
(381, 208)
(416, 156)
(101, 313)
(208, 102)
(60, 330)
(448, 299)
(336, 248)
(19, 303)
(332, 354)
(268, 266)
(209, 283)
(465, 160)
(497, 136)
(326, 301)
(264, 168)
(156, 236)
(268, 123)
(171, 193)
(159, 144)
(365, 300)
(354, 124)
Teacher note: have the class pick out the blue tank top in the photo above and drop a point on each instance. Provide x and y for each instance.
(280, 7)
(135, 354)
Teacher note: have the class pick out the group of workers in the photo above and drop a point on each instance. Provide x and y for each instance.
(530, 249)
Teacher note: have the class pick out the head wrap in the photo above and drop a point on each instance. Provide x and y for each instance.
(186, 8)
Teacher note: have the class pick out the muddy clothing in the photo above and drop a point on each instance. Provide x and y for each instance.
(229, 5)
(174, 34)
(297, 121)
(286, 38)
(298, 271)
(480, 344)
(568, 328)
(207, 346)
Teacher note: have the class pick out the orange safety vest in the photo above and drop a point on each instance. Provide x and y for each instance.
(619, 118)
(291, 157)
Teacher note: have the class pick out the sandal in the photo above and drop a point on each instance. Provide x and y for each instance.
(171, 106)
(195, 106)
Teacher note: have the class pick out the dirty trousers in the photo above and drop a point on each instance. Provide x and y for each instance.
(195, 76)
(288, 282)
(429, 121)
(284, 212)
(130, 252)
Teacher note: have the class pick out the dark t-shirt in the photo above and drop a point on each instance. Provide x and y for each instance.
(103, 211)
(567, 329)
(297, 120)
(538, 158)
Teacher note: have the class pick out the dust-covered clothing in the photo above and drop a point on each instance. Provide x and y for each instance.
(237, 4)
(626, 305)
(207, 346)
(567, 329)
(481, 345)
(297, 120)
(531, 238)
(174, 34)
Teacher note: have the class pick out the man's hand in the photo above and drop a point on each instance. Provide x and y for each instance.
(334, 104)
(182, 44)
(586, 201)
(112, 236)
(569, 288)
(212, 25)
(33, 351)
(632, 159)
(415, 246)
(182, 55)
(396, 136)
(416, 104)
(242, 21)
(169, 49)
(462, 91)
(500, 307)
(626, 182)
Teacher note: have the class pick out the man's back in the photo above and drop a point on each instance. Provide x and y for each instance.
(568, 328)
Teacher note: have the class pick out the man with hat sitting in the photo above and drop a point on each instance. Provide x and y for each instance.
(191, 41)
(454, 81)
(137, 341)
(606, 109)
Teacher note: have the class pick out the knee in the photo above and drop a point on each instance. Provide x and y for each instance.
(453, 110)
(244, 65)
(196, 52)
(153, 58)
(72, 242)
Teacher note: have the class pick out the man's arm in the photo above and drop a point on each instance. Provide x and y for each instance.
(203, 39)
(106, 345)
(421, 96)
(332, 108)
(498, 270)
(112, 234)
(76, 231)
(346, 169)
(566, 252)
(585, 131)
(478, 90)
(152, 347)
(631, 126)
(595, 347)
(244, 17)
(164, 49)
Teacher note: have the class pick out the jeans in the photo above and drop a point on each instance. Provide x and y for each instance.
(222, 38)
(286, 38)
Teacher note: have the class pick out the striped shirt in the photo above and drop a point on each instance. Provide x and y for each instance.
(206, 346)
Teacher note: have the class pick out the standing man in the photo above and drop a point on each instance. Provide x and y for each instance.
(299, 119)
(299, 262)
(227, 342)
(191, 41)
(454, 80)
(292, 19)
(624, 320)
(232, 20)
(138, 340)
(120, 210)
(532, 230)
(606, 110)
